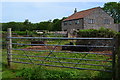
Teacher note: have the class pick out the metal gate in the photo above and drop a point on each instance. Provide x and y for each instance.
(95, 54)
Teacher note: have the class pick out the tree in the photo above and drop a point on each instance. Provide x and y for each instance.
(27, 25)
(55, 20)
(26, 22)
(43, 25)
(13, 25)
(57, 25)
(54, 25)
(113, 9)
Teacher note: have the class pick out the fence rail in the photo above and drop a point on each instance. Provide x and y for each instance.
(64, 45)
(60, 38)
(64, 62)
(63, 66)
(63, 58)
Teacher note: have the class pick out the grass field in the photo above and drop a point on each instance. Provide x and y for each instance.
(31, 71)
(18, 69)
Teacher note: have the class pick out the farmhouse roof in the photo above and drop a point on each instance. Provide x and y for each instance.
(80, 14)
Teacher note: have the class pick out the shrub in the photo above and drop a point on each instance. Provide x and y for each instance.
(40, 73)
(24, 32)
(118, 37)
(31, 74)
(102, 32)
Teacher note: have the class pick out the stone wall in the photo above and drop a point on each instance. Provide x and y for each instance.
(118, 25)
(73, 25)
(99, 16)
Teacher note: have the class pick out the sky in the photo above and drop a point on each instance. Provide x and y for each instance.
(41, 11)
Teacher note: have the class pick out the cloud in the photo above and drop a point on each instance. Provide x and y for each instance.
(60, 0)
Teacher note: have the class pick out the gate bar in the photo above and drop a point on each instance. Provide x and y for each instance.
(63, 66)
(65, 62)
(65, 45)
(63, 58)
(54, 38)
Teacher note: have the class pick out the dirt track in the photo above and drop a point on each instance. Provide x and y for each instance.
(59, 48)
(44, 48)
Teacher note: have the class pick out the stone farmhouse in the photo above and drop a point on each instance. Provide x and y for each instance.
(89, 19)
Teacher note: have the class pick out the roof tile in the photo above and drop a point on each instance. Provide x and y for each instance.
(80, 14)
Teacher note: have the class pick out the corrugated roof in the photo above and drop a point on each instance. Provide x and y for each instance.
(80, 14)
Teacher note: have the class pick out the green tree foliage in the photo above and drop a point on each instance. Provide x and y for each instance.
(57, 24)
(26, 22)
(15, 26)
(43, 25)
(27, 25)
(113, 9)
(54, 25)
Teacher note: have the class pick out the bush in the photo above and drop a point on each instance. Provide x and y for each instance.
(31, 74)
(118, 37)
(40, 73)
(102, 32)
(24, 32)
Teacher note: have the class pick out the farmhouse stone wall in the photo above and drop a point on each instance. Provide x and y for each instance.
(99, 15)
(72, 25)
(100, 19)
(118, 27)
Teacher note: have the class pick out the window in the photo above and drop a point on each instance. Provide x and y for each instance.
(91, 21)
(65, 30)
(70, 22)
(64, 23)
(106, 21)
(77, 21)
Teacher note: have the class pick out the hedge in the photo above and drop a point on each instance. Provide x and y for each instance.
(102, 32)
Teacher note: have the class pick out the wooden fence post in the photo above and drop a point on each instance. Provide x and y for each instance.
(9, 47)
(114, 61)
(118, 66)
(118, 59)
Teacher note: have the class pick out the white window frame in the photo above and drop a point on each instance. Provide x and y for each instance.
(70, 22)
(77, 21)
(91, 21)
(64, 23)
(106, 21)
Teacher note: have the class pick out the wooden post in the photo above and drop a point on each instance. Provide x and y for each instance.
(118, 66)
(117, 51)
(118, 56)
(9, 47)
(118, 59)
(113, 65)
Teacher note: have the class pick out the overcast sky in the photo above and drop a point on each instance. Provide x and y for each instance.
(42, 11)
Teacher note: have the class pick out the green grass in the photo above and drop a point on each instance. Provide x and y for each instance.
(17, 69)
(21, 71)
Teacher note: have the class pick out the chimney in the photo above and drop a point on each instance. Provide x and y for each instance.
(75, 10)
